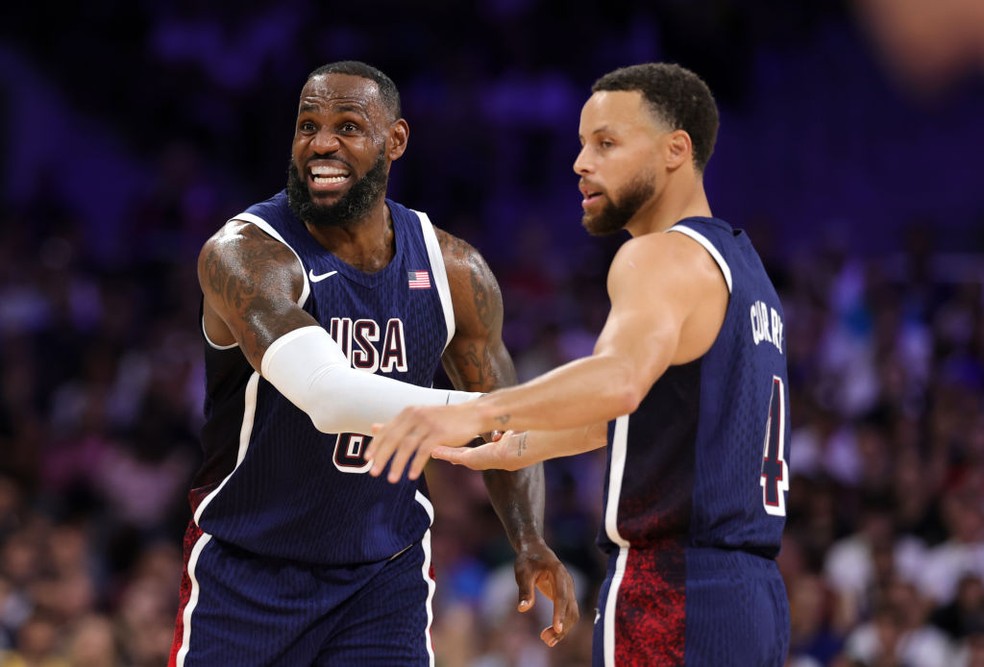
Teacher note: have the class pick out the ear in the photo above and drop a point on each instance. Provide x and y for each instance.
(399, 134)
(679, 149)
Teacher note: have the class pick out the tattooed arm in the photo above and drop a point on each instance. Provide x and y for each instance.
(477, 360)
(251, 284)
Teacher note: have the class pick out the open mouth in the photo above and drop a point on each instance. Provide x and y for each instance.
(590, 198)
(327, 176)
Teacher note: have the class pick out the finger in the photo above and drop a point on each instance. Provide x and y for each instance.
(559, 613)
(450, 454)
(458, 456)
(549, 637)
(379, 432)
(527, 590)
(380, 450)
(382, 447)
(400, 458)
(420, 460)
(566, 612)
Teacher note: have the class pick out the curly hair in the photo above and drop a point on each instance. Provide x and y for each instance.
(676, 96)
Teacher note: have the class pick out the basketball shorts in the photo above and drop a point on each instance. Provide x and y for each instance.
(695, 608)
(241, 609)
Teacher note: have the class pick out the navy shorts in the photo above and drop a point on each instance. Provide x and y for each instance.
(695, 607)
(241, 609)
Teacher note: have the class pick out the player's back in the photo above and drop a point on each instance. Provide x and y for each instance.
(701, 462)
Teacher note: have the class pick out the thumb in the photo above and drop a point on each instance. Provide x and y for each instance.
(446, 453)
(527, 593)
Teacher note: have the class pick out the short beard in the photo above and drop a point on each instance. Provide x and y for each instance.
(353, 206)
(616, 214)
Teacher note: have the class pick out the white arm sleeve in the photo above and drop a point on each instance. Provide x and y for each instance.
(308, 367)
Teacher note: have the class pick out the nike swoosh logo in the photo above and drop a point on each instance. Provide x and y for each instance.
(318, 278)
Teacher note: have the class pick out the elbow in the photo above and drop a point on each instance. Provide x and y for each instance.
(327, 421)
(625, 392)
(627, 398)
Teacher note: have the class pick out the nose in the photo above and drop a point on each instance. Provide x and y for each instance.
(325, 141)
(581, 166)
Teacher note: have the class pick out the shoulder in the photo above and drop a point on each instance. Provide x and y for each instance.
(236, 234)
(658, 253)
(474, 290)
(462, 260)
(665, 264)
(243, 247)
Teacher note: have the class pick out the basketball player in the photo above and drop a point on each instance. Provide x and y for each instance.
(327, 308)
(687, 386)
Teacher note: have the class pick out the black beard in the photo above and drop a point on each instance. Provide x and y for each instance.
(616, 214)
(353, 206)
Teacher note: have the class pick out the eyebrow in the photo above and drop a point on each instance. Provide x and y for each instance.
(345, 107)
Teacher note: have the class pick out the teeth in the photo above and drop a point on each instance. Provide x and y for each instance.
(328, 171)
(324, 180)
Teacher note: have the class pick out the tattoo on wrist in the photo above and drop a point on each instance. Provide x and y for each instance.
(503, 419)
(521, 445)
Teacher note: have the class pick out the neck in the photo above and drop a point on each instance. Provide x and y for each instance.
(678, 200)
(366, 244)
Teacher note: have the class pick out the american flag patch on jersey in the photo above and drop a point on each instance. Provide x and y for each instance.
(419, 280)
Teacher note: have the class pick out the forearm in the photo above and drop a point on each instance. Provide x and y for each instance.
(518, 500)
(584, 392)
(309, 368)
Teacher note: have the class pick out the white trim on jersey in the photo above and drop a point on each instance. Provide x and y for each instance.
(196, 552)
(426, 571)
(216, 346)
(270, 231)
(709, 247)
(245, 431)
(620, 441)
(610, 602)
(440, 271)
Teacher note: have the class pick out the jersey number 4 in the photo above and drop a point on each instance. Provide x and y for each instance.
(350, 451)
(775, 472)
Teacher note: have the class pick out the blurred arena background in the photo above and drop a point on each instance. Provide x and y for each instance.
(850, 149)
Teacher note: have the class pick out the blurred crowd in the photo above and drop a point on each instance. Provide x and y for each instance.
(101, 354)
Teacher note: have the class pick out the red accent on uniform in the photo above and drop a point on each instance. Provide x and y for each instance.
(192, 535)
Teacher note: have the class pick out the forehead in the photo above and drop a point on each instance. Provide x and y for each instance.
(340, 92)
(616, 110)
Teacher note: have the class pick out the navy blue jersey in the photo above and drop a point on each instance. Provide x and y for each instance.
(702, 461)
(274, 485)
(695, 494)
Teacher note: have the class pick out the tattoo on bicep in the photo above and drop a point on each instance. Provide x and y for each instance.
(481, 281)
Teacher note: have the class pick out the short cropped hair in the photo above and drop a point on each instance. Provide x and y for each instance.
(388, 92)
(676, 96)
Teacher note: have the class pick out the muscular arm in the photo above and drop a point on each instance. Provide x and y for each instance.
(668, 301)
(667, 304)
(477, 360)
(251, 284)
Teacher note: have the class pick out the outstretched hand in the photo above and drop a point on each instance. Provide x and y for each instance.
(412, 434)
(505, 452)
(539, 568)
